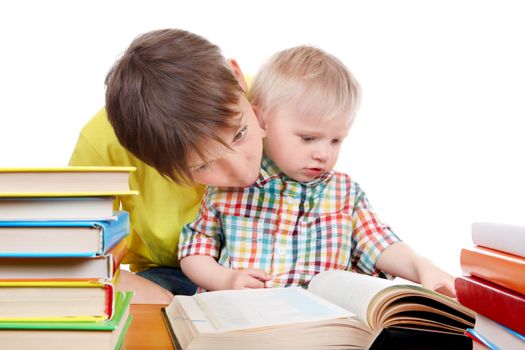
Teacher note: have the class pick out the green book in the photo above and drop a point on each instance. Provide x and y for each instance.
(107, 334)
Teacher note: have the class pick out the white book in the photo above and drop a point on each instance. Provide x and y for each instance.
(56, 208)
(506, 238)
(498, 335)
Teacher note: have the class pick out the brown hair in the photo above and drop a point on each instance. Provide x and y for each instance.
(313, 81)
(169, 91)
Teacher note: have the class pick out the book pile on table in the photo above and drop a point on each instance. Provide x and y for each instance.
(61, 244)
(493, 285)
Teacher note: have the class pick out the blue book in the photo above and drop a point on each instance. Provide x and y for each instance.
(45, 239)
(494, 335)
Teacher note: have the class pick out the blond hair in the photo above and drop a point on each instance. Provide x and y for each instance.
(309, 79)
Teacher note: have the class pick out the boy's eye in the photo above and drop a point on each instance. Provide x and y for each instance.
(336, 141)
(307, 138)
(202, 167)
(240, 134)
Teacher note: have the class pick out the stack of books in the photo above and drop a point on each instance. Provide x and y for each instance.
(493, 285)
(61, 244)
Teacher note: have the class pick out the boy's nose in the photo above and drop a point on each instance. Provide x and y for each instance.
(321, 154)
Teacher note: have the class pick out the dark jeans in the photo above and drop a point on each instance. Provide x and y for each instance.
(170, 278)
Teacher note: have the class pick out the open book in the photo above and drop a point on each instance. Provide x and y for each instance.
(339, 310)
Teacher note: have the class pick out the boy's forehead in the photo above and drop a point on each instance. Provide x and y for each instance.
(314, 118)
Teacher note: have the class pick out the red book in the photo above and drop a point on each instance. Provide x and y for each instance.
(504, 269)
(497, 303)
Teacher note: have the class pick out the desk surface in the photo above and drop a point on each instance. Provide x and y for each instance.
(147, 330)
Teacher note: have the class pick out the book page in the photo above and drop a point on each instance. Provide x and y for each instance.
(351, 291)
(251, 308)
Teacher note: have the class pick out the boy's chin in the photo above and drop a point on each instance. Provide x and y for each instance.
(248, 181)
(300, 177)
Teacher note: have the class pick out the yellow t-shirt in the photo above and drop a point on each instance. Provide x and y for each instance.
(157, 213)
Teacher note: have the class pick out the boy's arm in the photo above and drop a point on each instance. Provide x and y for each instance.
(200, 245)
(205, 272)
(401, 260)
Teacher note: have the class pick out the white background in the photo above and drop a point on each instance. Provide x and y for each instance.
(437, 144)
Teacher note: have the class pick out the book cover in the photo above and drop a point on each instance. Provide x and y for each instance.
(501, 268)
(101, 267)
(495, 302)
(506, 238)
(53, 301)
(62, 238)
(107, 334)
(56, 208)
(65, 181)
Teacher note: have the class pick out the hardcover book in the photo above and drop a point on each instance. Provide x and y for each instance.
(108, 334)
(56, 208)
(506, 238)
(501, 268)
(102, 267)
(62, 238)
(495, 302)
(495, 336)
(74, 301)
(66, 181)
(339, 310)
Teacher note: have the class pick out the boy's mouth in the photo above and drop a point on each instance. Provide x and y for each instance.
(314, 171)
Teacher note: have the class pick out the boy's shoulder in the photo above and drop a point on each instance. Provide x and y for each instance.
(99, 126)
(343, 180)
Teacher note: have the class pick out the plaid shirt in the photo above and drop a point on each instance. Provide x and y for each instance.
(289, 229)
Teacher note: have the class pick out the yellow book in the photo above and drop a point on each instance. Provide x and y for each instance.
(65, 181)
(56, 301)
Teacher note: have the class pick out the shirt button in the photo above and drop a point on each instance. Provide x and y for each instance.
(281, 251)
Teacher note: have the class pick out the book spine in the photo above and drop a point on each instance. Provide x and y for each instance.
(497, 303)
(114, 231)
(497, 267)
(117, 253)
(110, 300)
(506, 238)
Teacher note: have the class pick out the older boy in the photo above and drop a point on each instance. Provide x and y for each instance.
(300, 217)
(171, 96)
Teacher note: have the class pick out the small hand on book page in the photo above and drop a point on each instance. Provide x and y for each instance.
(401, 260)
(434, 278)
(248, 278)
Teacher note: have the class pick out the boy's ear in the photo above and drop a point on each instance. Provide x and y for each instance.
(260, 119)
(238, 73)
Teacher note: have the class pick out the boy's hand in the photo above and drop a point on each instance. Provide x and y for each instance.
(402, 261)
(248, 278)
(432, 277)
